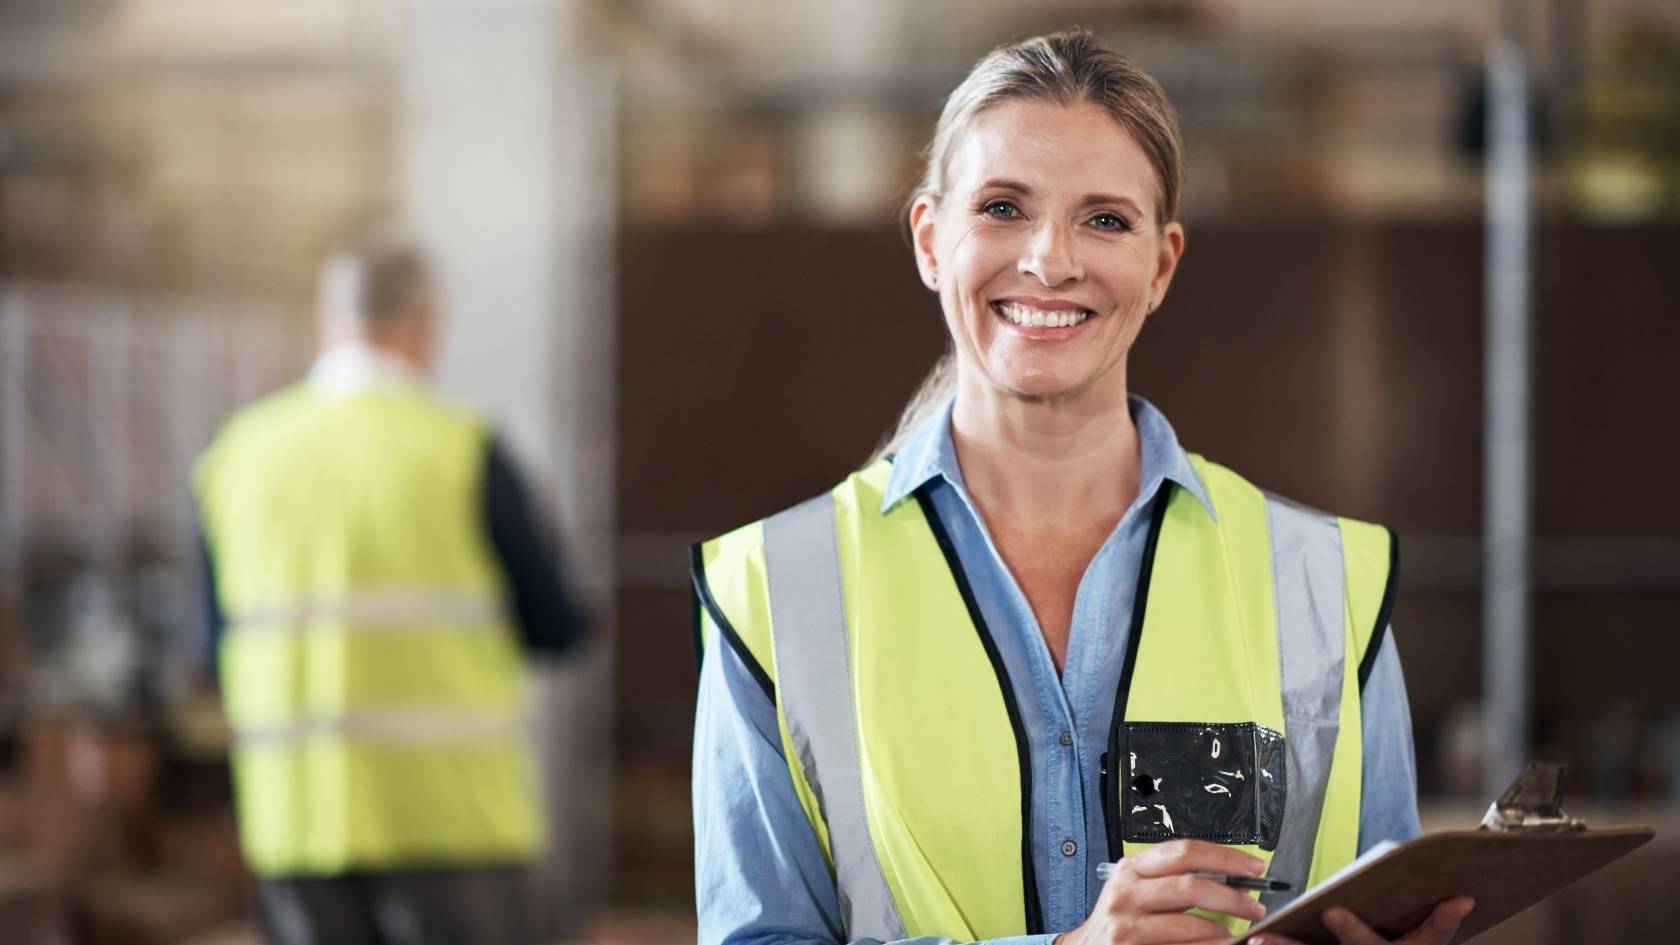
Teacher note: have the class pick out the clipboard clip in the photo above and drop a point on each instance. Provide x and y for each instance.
(1533, 802)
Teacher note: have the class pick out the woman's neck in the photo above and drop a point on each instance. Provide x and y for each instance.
(1048, 463)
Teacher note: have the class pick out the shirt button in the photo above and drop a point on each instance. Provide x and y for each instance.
(1069, 848)
(1066, 738)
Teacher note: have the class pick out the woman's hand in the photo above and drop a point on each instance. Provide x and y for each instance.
(1438, 929)
(1144, 902)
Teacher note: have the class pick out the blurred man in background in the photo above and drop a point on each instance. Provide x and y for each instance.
(370, 551)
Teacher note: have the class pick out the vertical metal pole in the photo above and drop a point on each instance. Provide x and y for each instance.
(1506, 527)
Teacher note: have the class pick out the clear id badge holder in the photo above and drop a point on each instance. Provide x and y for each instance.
(1221, 782)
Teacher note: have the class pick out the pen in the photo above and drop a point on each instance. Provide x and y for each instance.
(1105, 870)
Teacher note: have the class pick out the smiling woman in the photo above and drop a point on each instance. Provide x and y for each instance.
(1036, 634)
(1068, 69)
(1047, 249)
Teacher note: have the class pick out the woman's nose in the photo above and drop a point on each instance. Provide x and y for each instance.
(1050, 256)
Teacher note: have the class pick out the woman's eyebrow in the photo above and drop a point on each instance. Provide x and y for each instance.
(1003, 184)
(1094, 199)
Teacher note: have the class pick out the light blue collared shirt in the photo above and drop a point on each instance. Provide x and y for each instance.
(760, 875)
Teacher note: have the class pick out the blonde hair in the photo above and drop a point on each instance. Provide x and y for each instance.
(1072, 67)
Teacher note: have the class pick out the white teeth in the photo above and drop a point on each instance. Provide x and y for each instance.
(1029, 317)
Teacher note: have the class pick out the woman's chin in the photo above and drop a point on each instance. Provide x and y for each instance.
(1044, 386)
(1039, 375)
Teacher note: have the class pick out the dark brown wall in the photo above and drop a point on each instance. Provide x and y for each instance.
(1337, 363)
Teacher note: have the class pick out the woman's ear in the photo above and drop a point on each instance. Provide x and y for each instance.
(1166, 262)
(921, 238)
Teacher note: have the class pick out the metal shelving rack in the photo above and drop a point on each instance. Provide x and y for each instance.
(106, 399)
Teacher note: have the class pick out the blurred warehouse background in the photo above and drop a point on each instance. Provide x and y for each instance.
(668, 235)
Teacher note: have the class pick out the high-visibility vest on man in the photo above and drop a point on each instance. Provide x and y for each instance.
(899, 724)
(371, 680)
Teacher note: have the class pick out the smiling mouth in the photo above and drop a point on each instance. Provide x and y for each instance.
(1028, 317)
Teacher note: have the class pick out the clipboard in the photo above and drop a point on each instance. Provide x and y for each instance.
(1525, 850)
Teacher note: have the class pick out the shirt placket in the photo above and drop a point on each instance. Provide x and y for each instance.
(1065, 810)
(1092, 625)
(1071, 869)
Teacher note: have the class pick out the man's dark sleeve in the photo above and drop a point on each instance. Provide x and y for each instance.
(547, 616)
(210, 607)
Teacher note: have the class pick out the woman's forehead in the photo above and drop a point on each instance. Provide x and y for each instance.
(1054, 149)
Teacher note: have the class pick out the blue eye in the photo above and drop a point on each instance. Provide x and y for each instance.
(1110, 221)
(1002, 209)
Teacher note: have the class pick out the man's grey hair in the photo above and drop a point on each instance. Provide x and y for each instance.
(373, 283)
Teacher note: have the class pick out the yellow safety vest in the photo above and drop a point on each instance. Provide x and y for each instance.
(372, 683)
(903, 741)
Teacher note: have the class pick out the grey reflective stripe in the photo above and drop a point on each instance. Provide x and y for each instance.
(389, 610)
(1308, 575)
(814, 681)
(400, 726)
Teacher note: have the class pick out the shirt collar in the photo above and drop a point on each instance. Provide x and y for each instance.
(353, 367)
(930, 452)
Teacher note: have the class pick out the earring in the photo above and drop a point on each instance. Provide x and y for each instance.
(1153, 306)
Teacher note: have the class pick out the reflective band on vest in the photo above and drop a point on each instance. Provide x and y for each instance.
(803, 570)
(414, 728)
(383, 611)
(1307, 575)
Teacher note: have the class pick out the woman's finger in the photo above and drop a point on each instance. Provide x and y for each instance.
(1187, 891)
(1183, 856)
(1349, 929)
(1438, 929)
(1442, 923)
